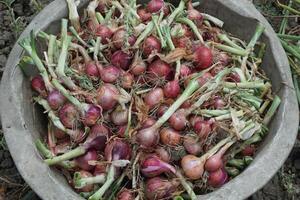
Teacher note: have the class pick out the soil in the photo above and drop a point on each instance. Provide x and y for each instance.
(284, 185)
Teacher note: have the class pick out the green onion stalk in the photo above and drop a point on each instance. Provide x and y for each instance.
(80, 182)
(213, 19)
(91, 10)
(193, 26)
(75, 33)
(224, 38)
(73, 15)
(50, 53)
(29, 46)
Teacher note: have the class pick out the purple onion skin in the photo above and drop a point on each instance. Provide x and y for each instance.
(121, 59)
(56, 99)
(218, 178)
(92, 115)
(160, 188)
(147, 137)
(69, 116)
(153, 166)
(38, 84)
(110, 74)
(117, 149)
(107, 96)
(97, 137)
(178, 120)
(83, 160)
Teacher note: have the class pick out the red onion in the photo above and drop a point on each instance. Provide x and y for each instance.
(203, 57)
(234, 77)
(163, 154)
(97, 138)
(121, 131)
(127, 80)
(147, 137)
(92, 70)
(107, 96)
(83, 161)
(159, 68)
(151, 44)
(56, 99)
(195, 118)
(155, 5)
(218, 103)
(144, 15)
(218, 178)
(110, 74)
(185, 71)
(169, 136)
(248, 150)
(160, 188)
(121, 59)
(192, 145)
(69, 116)
(118, 39)
(202, 128)
(192, 166)
(161, 110)
(38, 84)
(186, 104)
(204, 78)
(216, 69)
(153, 166)
(139, 68)
(181, 42)
(119, 116)
(125, 194)
(62, 147)
(178, 120)
(59, 134)
(154, 97)
(223, 58)
(104, 32)
(100, 168)
(148, 122)
(76, 135)
(87, 188)
(117, 149)
(172, 89)
(194, 14)
(92, 114)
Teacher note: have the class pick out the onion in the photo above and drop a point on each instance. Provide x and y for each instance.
(117, 149)
(192, 167)
(97, 138)
(56, 99)
(185, 71)
(172, 89)
(152, 166)
(110, 74)
(194, 119)
(100, 168)
(147, 137)
(216, 69)
(178, 120)
(83, 161)
(218, 178)
(121, 131)
(159, 68)
(69, 116)
(148, 122)
(202, 128)
(204, 78)
(192, 145)
(38, 84)
(161, 110)
(218, 103)
(125, 194)
(248, 150)
(169, 136)
(186, 104)
(163, 154)
(139, 68)
(203, 57)
(104, 32)
(59, 134)
(87, 188)
(144, 15)
(92, 70)
(181, 42)
(119, 116)
(121, 59)
(194, 14)
(92, 114)
(222, 57)
(151, 44)
(155, 5)
(118, 39)
(127, 80)
(234, 77)
(154, 97)
(107, 96)
(160, 188)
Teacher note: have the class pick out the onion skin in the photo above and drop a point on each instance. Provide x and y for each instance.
(119, 41)
(83, 160)
(203, 57)
(125, 194)
(191, 145)
(59, 134)
(148, 122)
(204, 78)
(127, 80)
(107, 96)
(154, 97)
(153, 166)
(56, 99)
(161, 110)
(178, 120)
(110, 74)
(117, 149)
(92, 70)
(104, 32)
(163, 154)
(218, 178)
(38, 85)
(147, 137)
(97, 137)
(144, 15)
(121, 59)
(172, 89)
(87, 188)
(192, 167)
(69, 116)
(92, 115)
(119, 116)
(181, 42)
(155, 5)
(151, 44)
(202, 128)
(185, 71)
(139, 68)
(169, 136)
(159, 68)
(159, 188)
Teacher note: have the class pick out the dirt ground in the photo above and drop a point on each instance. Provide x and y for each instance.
(16, 14)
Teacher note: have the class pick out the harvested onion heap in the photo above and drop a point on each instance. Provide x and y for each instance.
(149, 102)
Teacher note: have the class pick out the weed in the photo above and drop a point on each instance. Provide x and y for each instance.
(287, 181)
